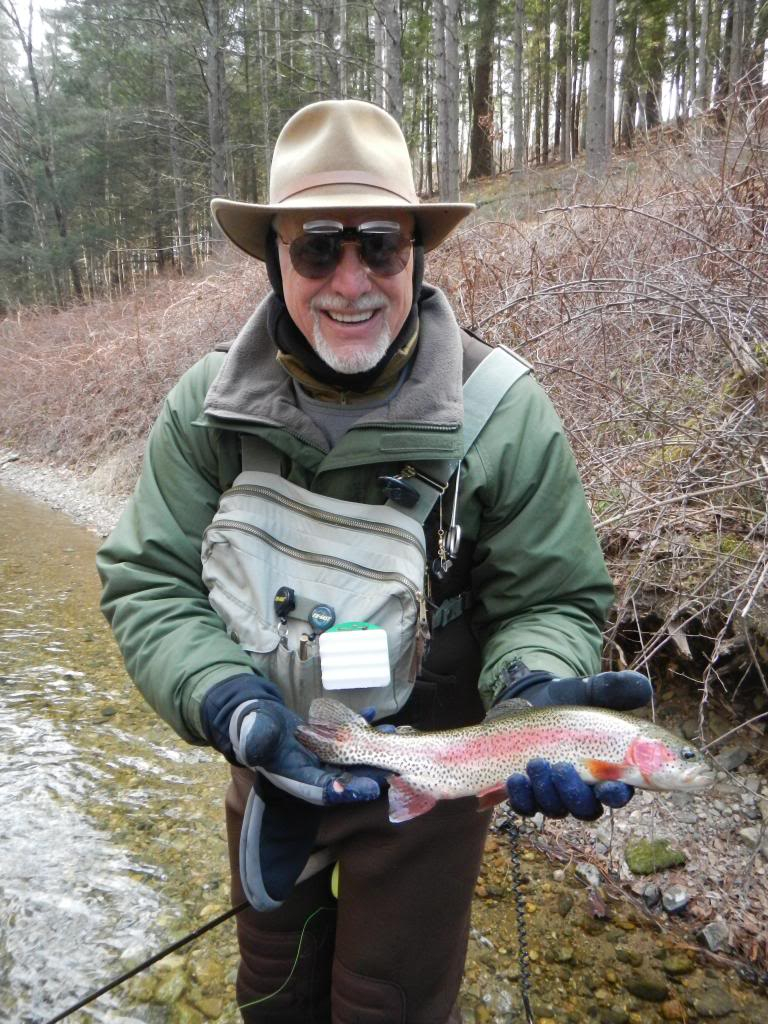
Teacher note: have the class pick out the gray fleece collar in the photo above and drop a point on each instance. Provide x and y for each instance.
(252, 387)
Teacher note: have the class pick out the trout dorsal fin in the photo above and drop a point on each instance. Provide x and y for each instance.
(513, 706)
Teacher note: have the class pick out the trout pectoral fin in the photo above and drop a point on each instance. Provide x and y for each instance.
(604, 771)
(490, 797)
(406, 801)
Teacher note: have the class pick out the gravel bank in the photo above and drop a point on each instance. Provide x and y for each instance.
(83, 498)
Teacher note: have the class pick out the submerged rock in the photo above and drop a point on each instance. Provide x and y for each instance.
(712, 1001)
(650, 987)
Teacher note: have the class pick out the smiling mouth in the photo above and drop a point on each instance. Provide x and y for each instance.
(351, 318)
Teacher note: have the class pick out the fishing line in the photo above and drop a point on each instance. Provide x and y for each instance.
(263, 999)
(152, 960)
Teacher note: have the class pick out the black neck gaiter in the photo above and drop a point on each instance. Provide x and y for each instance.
(289, 339)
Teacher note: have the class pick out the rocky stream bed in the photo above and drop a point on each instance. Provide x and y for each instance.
(606, 943)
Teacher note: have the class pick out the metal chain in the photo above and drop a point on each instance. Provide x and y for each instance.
(513, 835)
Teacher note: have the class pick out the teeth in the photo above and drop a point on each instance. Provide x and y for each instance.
(350, 318)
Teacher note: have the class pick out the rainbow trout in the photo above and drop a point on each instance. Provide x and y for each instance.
(602, 745)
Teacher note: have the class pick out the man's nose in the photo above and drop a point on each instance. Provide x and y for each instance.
(350, 278)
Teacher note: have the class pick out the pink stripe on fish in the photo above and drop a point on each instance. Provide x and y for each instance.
(526, 742)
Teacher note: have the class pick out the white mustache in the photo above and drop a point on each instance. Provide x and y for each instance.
(337, 304)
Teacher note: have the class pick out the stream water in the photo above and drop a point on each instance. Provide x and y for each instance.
(111, 835)
(112, 846)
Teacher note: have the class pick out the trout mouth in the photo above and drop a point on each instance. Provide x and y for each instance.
(699, 776)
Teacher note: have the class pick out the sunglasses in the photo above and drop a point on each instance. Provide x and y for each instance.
(383, 247)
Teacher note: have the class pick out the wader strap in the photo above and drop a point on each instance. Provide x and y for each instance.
(258, 454)
(482, 392)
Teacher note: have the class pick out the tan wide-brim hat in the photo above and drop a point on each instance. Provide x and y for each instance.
(337, 155)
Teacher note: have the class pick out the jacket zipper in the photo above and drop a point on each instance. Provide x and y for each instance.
(325, 517)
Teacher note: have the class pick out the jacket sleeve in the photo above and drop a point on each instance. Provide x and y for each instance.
(174, 645)
(541, 588)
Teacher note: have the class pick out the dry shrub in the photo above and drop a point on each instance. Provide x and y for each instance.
(83, 385)
(643, 306)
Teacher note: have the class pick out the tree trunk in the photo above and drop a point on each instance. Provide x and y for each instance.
(517, 86)
(264, 88)
(481, 143)
(576, 79)
(597, 149)
(180, 199)
(452, 78)
(758, 53)
(723, 46)
(545, 82)
(629, 83)
(379, 46)
(655, 74)
(737, 47)
(566, 149)
(441, 94)
(217, 132)
(691, 40)
(394, 58)
(343, 84)
(702, 85)
(610, 76)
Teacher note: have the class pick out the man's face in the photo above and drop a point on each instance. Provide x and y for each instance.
(351, 316)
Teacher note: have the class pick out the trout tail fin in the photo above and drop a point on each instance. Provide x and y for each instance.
(330, 727)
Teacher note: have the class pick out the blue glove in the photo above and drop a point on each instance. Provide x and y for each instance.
(246, 719)
(557, 790)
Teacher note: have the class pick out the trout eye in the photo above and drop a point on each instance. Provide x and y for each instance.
(687, 753)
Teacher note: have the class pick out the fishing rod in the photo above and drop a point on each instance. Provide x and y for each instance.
(148, 963)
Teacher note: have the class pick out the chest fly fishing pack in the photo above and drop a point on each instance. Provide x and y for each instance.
(325, 594)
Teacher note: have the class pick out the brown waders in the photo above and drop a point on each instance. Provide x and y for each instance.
(392, 950)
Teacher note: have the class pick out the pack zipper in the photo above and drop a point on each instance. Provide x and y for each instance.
(315, 559)
(325, 517)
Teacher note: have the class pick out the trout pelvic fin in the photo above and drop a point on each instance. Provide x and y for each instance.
(407, 801)
(604, 771)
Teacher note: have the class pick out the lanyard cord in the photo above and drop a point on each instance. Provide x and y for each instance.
(148, 963)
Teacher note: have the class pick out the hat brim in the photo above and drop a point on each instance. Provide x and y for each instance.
(247, 225)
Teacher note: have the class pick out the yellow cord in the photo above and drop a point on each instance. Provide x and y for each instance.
(263, 999)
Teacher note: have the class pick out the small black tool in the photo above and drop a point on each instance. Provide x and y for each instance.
(284, 602)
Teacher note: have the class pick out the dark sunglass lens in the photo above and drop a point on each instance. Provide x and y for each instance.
(386, 253)
(315, 255)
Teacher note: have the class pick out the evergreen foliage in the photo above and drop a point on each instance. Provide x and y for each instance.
(119, 120)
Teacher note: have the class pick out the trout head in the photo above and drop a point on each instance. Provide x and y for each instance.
(657, 762)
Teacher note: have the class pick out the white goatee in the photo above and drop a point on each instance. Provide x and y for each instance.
(350, 360)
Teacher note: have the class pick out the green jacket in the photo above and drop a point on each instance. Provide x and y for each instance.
(539, 584)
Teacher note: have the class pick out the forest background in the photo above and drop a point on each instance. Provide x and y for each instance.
(616, 151)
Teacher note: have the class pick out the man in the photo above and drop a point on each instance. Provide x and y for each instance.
(349, 372)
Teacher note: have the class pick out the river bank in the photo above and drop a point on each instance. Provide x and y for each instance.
(77, 496)
(716, 900)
